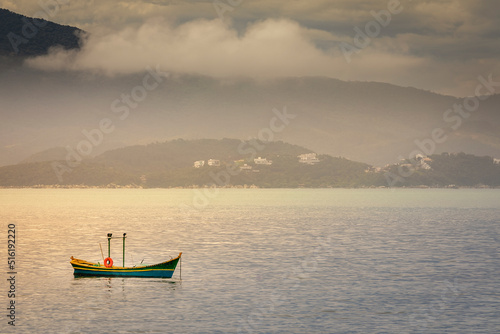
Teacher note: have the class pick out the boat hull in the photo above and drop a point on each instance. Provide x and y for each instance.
(162, 270)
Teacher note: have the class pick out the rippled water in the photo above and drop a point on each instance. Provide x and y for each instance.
(259, 261)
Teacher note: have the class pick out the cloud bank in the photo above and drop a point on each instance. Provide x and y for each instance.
(270, 48)
(439, 45)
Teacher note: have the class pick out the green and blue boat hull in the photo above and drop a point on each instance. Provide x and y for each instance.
(161, 270)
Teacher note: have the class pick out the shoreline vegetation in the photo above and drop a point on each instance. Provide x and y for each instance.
(232, 163)
(245, 186)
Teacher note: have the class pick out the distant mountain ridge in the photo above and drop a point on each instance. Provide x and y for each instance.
(236, 163)
(364, 121)
(25, 36)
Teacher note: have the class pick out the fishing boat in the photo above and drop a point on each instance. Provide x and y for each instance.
(85, 268)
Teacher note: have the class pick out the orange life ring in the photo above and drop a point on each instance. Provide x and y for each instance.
(108, 262)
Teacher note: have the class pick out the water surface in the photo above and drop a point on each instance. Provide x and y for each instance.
(259, 260)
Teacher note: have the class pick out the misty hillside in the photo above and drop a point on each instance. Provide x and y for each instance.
(373, 122)
(25, 36)
(179, 153)
(364, 121)
(51, 154)
(172, 164)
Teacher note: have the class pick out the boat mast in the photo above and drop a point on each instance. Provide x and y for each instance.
(124, 236)
(109, 244)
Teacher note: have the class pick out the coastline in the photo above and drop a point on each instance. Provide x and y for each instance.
(131, 186)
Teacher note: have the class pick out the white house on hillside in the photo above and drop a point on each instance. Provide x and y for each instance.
(245, 167)
(308, 158)
(423, 161)
(262, 161)
(213, 162)
(199, 163)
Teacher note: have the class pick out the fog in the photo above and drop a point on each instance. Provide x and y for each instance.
(227, 65)
(441, 46)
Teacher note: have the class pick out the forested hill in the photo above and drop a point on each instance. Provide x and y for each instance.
(236, 163)
(24, 36)
(179, 153)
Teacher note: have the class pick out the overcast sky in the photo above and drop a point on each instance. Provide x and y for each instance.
(437, 45)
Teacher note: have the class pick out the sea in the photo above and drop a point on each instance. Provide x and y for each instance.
(254, 260)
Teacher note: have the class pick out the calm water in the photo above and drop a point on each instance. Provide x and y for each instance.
(258, 261)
